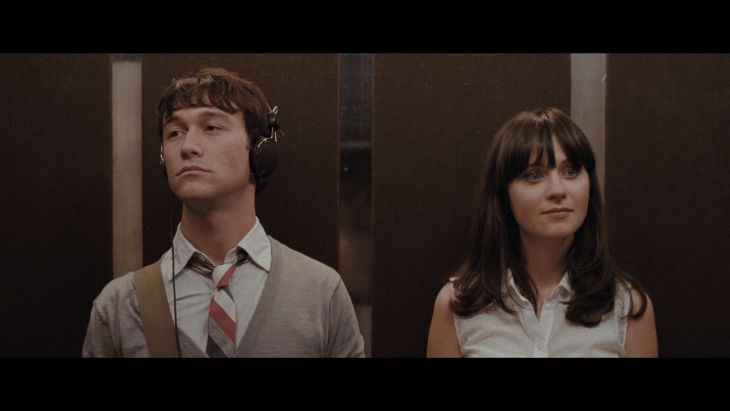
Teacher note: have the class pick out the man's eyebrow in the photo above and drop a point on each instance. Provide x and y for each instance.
(171, 119)
(203, 114)
(210, 113)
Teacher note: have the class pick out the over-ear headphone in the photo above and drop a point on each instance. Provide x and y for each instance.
(263, 156)
(162, 163)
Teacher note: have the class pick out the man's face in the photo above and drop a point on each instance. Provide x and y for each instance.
(206, 155)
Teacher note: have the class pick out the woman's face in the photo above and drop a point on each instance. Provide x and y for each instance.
(550, 204)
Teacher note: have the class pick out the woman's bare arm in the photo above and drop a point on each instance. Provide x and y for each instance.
(641, 340)
(442, 340)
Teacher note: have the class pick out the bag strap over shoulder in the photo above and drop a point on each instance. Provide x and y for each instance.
(159, 329)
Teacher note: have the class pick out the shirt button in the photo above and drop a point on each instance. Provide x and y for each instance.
(541, 346)
(549, 306)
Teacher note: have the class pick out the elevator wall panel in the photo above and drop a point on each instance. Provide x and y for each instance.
(667, 145)
(55, 124)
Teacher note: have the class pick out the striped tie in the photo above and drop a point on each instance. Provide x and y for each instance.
(222, 313)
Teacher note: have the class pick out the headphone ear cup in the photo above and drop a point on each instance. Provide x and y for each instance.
(264, 157)
(163, 168)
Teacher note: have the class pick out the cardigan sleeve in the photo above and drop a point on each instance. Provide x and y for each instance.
(343, 334)
(115, 327)
(98, 342)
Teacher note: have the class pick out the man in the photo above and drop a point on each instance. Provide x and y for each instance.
(235, 292)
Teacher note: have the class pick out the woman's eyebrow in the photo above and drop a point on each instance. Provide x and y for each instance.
(543, 163)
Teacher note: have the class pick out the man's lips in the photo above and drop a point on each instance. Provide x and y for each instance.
(190, 168)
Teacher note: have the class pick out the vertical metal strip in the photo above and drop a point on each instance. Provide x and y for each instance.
(126, 163)
(588, 104)
(355, 220)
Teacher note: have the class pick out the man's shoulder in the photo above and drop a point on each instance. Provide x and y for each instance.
(116, 295)
(292, 261)
(118, 287)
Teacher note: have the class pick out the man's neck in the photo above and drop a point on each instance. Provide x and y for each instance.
(216, 231)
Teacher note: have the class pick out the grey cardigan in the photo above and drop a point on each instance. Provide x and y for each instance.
(304, 311)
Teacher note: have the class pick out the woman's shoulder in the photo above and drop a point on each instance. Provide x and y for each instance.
(638, 303)
(641, 338)
(445, 295)
(633, 297)
(442, 336)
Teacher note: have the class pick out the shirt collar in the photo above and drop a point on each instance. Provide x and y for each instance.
(255, 243)
(510, 284)
(509, 287)
(258, 246)
(565, 283)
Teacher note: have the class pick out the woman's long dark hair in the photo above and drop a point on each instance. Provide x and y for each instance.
(495, 236)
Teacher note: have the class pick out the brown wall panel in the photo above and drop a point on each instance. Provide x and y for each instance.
(300, 205)
(667, 145)
(55, 122)
(433, 118)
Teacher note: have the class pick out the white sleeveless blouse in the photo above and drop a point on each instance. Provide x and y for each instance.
(493, 332)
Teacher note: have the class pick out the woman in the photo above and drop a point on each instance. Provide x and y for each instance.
(538, 280)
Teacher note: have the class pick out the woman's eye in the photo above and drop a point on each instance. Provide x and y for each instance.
(533, 176)
(571, 172)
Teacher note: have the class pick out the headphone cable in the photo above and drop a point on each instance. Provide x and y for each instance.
(174, 295)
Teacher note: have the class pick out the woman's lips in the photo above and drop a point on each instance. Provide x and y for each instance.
(558, 213)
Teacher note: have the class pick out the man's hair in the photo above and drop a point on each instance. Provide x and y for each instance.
(495, 236)
(219, 88)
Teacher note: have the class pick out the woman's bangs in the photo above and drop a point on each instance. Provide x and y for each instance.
(576, 147)
(542, 145)
(531, 133)
(535, 140)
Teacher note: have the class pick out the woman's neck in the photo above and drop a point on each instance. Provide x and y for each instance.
(546, 261)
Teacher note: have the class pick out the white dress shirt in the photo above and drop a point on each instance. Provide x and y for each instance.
(492, 332)
(194, 291)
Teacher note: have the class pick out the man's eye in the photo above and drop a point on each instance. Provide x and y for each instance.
(173, 134)
(212, 128)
